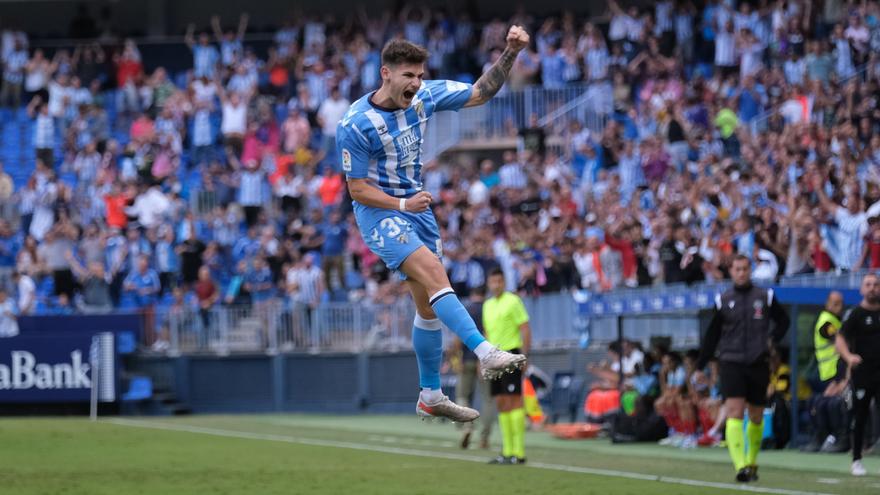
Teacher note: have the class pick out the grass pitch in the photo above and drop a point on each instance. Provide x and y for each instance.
(296, 454)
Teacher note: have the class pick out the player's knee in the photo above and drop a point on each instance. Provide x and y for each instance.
(735, 409)
(423, 267)
(756, 414)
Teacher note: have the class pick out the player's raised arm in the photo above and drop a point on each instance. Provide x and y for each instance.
(490, 83)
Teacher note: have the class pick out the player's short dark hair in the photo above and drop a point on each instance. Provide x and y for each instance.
(399, 52)
(495, 271)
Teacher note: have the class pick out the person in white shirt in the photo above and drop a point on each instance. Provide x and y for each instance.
(27, 292)
(859, 36)
(726, 58)
(37, 73)
(8, 316)
(620, 23)
(751, 52)
(44, 130)
(289, 189)
(850, 225)
(766, 266)
(233, 123)
(330, 113)
(204, 90)
(13, 75)
(150, 207)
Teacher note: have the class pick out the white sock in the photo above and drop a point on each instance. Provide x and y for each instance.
(483, 349)
(430, 395)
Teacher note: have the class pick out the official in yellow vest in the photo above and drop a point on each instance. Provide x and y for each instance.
(824, 334)
(507, 327)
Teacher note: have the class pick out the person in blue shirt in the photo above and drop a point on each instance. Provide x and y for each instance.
(167, 260)
(258, 282)
(10, 243)
(379, 141)
(246, 247)
(205, 55)
(143, 283)
(235, 291)
(334, 233)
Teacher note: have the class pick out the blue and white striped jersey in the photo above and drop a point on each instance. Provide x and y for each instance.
(386, 145)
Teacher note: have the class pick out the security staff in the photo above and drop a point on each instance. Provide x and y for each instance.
(824, 335)
(507, 327)
(859, 345)
(740, 331)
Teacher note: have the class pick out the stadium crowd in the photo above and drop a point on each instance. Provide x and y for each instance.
(730, 129)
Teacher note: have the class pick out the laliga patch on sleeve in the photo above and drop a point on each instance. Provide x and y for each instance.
(346, 160)
(455, 86)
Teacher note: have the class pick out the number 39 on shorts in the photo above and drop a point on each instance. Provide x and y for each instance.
(392, 228)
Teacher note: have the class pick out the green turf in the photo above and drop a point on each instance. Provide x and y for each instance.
(74, 456)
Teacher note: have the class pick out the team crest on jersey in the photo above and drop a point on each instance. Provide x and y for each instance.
(869, 321)
(731, 304)
(758, 305)
(346, 160)
(420, 109)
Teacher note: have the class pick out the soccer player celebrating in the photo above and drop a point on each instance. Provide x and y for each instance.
(740, 331)
(379, 141)
(859, 345)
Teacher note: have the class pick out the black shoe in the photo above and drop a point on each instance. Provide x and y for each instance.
(517, 460)
(466, 440)
(753, 472)
(500, 460)
(744, 475)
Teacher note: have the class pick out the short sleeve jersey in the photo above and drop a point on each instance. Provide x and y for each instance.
(385, 145)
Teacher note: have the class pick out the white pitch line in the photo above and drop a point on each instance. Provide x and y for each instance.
(447, 455)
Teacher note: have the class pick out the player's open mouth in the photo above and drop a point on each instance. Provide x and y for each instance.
(409, 94)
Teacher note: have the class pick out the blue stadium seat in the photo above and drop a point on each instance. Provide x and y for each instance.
(127, 301)
(139, 388)
(125, 342)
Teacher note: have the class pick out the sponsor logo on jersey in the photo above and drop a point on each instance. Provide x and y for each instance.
(346, 160)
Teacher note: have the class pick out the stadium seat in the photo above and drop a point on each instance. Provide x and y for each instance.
(126, 343)
(139, 388)
(563, 396)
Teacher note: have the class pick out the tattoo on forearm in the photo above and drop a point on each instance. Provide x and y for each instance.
(490, 83)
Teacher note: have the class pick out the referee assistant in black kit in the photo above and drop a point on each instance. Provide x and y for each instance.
(858, 343)
(740, 332)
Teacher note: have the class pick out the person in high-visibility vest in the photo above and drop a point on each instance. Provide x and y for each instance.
(828, 411)
(507, 327)
(823, 337)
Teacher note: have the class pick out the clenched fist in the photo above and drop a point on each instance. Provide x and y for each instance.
(517, 38)
(420, 202)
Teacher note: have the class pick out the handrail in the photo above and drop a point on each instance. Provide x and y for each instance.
(765, 116)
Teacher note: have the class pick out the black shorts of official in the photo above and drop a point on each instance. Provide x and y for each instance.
(508, 383)
(748, 381)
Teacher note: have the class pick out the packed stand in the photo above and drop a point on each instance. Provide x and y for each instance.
(729, 130)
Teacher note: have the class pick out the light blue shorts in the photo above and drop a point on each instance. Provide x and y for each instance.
(394, 235)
